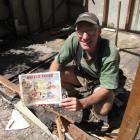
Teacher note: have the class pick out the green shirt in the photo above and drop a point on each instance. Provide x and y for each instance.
(104, 66)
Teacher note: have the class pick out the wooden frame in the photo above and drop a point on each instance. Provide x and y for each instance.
(105, 13)
(131, 120)
(129, 14)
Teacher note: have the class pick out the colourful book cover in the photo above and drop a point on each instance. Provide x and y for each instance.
(40, 88)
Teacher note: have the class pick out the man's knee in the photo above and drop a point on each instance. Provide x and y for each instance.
(68, 76)
(66, 73)
(105, 106)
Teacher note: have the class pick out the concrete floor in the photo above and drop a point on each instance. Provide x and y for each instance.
(129, 46)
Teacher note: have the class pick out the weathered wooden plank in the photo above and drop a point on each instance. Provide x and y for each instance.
(60, 128)
(24, 110)
(105, 13)
(129, 14)
(118, 20)
(131, 117)
(133, 65)
(137, 137)
(75, 132)
(85, 4)
(9, 84)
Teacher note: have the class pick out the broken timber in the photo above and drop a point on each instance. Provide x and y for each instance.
(8, 89)
(64, 125)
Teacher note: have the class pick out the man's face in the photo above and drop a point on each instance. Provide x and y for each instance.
(88, 35)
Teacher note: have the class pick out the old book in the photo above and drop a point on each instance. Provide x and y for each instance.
(40, 88)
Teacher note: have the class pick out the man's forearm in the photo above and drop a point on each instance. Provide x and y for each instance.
(95, 98)
(54, 66)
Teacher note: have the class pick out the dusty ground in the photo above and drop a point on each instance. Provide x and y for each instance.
(33, 132)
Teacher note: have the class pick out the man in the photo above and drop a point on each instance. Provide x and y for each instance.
(95, 59)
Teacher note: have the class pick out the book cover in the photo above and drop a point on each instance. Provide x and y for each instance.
(40, 88)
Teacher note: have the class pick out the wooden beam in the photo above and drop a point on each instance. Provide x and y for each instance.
(75, 132)
(131, 119)
(129, 14)
(105, 13)
(118, 21)
(60, 128)
(24, 110)
(9, 84)
(85, 4)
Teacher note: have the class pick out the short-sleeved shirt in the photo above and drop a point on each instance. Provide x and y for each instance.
(104, 66)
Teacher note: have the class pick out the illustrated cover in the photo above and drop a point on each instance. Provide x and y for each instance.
(40, 88)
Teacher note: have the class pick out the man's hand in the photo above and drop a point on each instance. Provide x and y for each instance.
(71, 104)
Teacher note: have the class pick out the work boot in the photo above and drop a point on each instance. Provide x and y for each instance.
(99, 118)
(94, 122)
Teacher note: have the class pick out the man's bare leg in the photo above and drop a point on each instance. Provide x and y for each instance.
(69, 78)
(105, 106)
(100, 109)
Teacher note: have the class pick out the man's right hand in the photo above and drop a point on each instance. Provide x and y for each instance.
(71, 104)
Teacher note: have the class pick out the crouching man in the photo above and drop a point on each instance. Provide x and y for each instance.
(94, 59)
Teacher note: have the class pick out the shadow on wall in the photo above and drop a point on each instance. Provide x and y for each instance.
(31, 16)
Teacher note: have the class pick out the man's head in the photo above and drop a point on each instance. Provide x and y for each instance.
(88, 30)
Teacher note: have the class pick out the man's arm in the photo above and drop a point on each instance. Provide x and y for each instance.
(73, 104)
(54, 66)
(96, 97)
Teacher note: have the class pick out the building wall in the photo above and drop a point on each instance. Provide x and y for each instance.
(135, 24)
(29, 16)
(113, 13)
(98, 6)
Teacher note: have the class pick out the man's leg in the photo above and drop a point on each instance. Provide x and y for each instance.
(104, 106)
(69, 78)
(93, 113)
